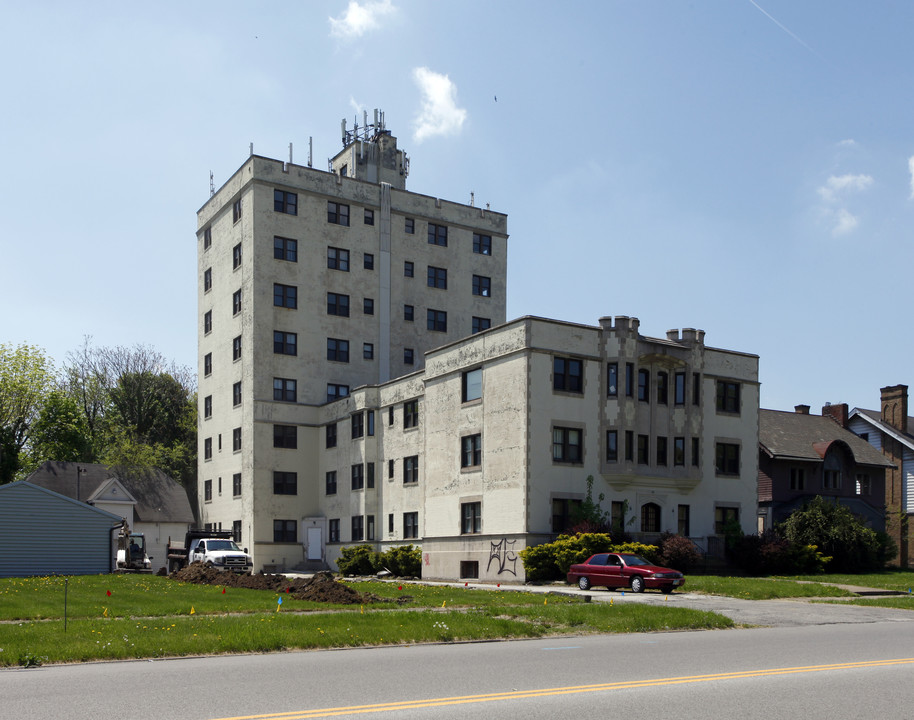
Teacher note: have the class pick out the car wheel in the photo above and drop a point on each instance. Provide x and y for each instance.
(637, 584)
(667, 590)
(584, 583)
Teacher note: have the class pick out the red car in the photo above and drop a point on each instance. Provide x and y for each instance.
(622, 570)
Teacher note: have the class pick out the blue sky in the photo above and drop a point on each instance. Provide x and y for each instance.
(736, 166)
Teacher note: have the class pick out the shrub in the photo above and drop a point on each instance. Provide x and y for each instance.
(359, 560)
(403, 560)
(550, 561)
(678, 552)
(771, 554)
(651, 553)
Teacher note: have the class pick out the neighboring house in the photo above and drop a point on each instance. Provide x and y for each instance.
(151, 502)
(887, 430)
(803, 455)
(45, 533)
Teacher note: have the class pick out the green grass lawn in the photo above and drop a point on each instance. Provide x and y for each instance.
(146, 616)
(762, 588)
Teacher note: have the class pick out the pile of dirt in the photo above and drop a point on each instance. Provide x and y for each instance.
(323, 587)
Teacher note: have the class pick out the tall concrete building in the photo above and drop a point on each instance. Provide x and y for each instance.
(311, 284)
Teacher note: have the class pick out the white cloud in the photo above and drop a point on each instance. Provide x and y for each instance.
(844, 222)
(834, 194)
(911, 169)
(359, 19)
(843, 184)
(440, 114)
(847, 143)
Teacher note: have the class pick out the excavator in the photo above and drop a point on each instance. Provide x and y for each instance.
(131, 551)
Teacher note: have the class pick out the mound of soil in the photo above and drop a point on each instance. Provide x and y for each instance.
(323, 587)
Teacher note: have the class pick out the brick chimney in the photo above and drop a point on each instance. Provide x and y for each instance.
(801, 409)
(895, 406)
(838, 413)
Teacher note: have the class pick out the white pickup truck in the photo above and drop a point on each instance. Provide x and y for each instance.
(211, 547)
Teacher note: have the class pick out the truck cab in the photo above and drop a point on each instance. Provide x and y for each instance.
(220, 553)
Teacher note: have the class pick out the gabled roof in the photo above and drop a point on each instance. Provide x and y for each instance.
(874, 418)
(158, 497)
(793, 436)
(15, 488)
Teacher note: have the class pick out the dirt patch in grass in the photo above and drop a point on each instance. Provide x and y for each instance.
(323, 587)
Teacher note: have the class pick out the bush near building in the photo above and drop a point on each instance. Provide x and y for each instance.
(550, 561)
(402, 561)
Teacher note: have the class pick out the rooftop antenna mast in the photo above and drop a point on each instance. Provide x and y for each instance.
(212, 186)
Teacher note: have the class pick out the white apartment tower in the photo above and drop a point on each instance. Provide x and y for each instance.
(312, 284)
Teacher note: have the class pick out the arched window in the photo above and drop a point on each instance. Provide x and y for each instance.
(650, 517)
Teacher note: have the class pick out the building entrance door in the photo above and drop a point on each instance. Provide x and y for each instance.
(315, 549)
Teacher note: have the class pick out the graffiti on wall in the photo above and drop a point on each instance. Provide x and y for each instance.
(504, 555)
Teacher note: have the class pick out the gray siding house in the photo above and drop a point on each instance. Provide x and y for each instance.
(45, 533)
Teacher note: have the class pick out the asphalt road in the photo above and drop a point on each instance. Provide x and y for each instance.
(817, 661)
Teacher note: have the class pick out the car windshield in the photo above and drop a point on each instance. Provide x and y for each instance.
(634, 560)
(221, 545)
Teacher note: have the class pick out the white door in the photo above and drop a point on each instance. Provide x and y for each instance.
(314, 543)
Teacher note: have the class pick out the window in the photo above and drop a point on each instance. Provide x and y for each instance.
(236, 210)
(411, 469)
(337, 304)
(617, 516)
(696, 389)
(357, 424)
(727, 458)
(437, 277)
(612, 379)
(208, 406)
(727, 396)
(408, 269)
(285, 296)
(208, 322)
(208, 491)
(408, 356)
(368, 306)
(482, 244)
(410, 413)
(369, 217)
(567, 375)
(798, 479)
(236, 485)
(284, 389)
(644, 385)
(436, 320)
(679, 451)
(683, 524)
(650, 517)
(696, 455)
(723, 516)
(864, 485)
(330, 483)
(679, 381)
(471, 382)
(333, 530)
(408, 313)
(236, 439)
(369, 527)
(207, 279)
(629, 379)
(337, 213)
(357, 528)
(236, 394)
(336, 391)
(285, 483)
(390, 469)
(564, 512)
(285, 531)
(338, 350)
(480, 324)
(207, 238)
(661, 451)
(663, 387)
(208, 448)
(612, 446)
(644, 449)
(236, 530)
(285, 436)
(482, 286)
(285, 249)
(831, 480)
(411, 525)
(285, 343)
(208, 364)
(629, 445)
(470, 518)
(236, 348)
(368, 351)
(236, 302)
(471, 451)
(566, 445)
(338, 259)
(369, 420)
(368, 261)
(437, 234)
(285, 202)
(410, 226)
(390, 415)
(331, 435)
(358, 477)
(369, 473)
